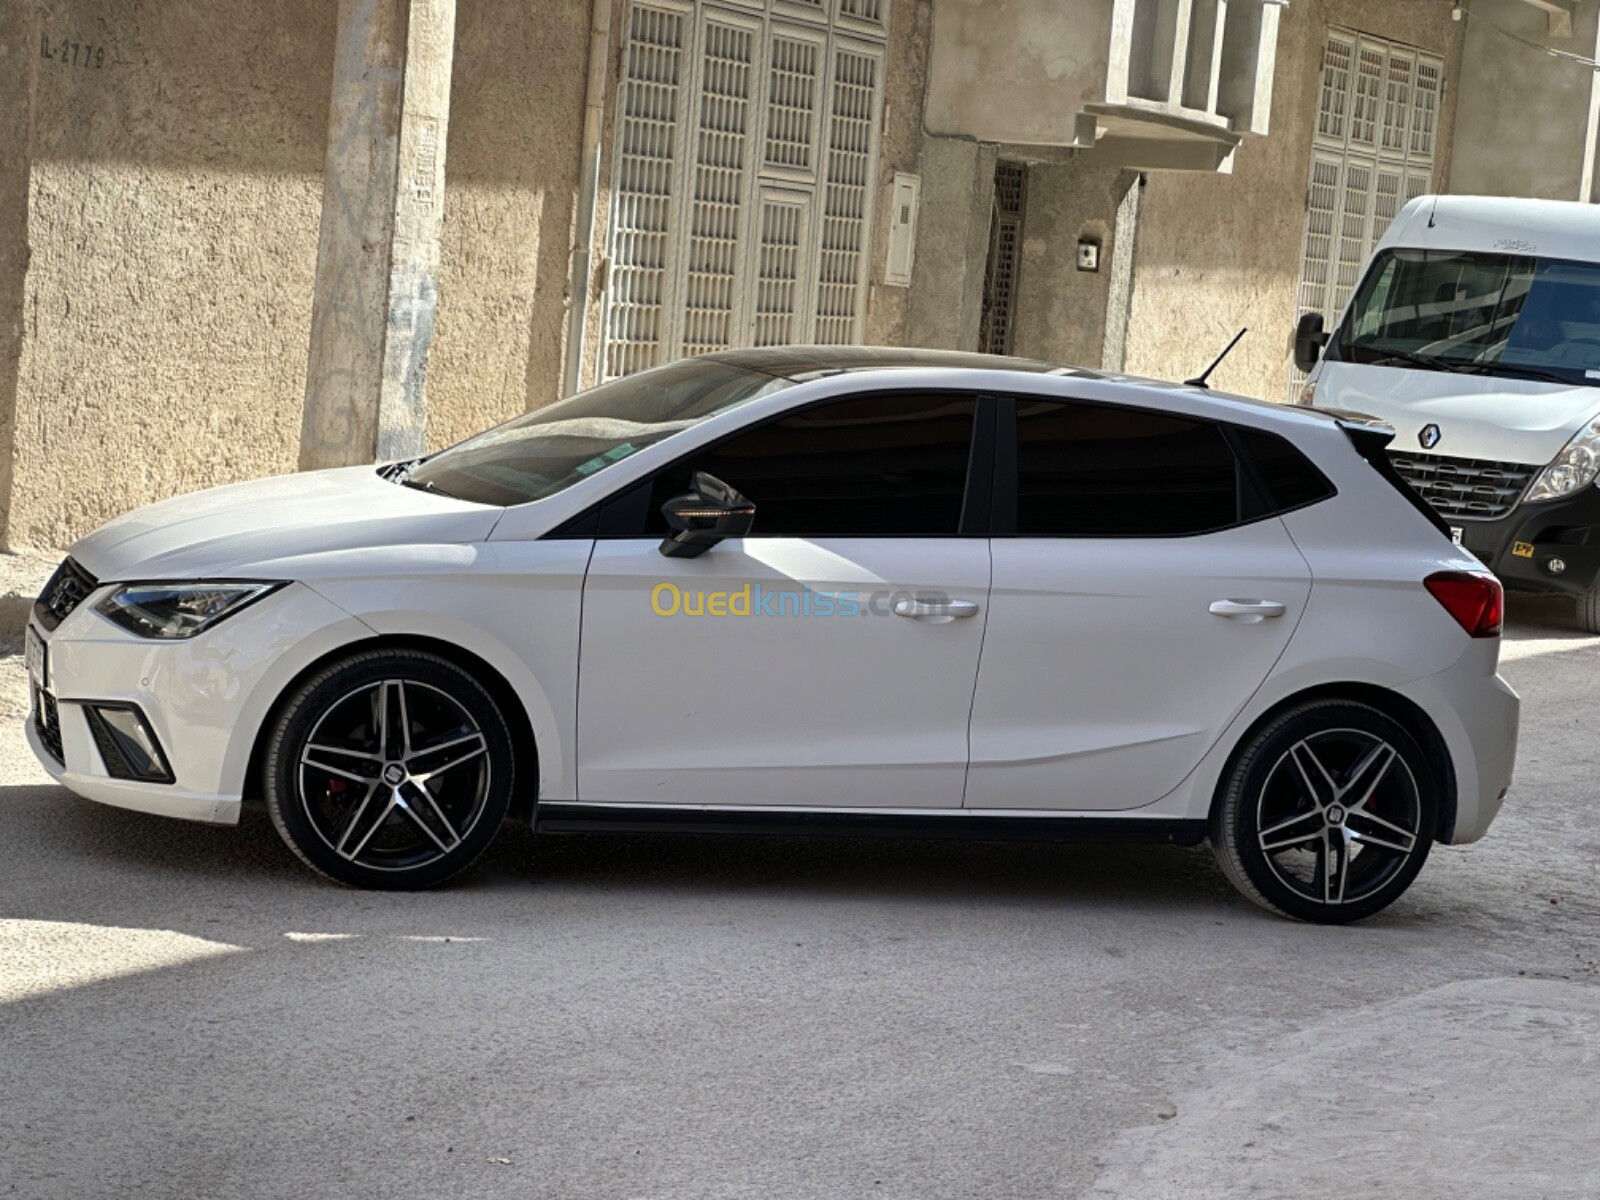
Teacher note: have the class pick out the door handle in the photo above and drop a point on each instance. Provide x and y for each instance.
(948, 609)
(1250, 611)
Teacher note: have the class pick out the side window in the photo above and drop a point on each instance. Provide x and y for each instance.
(1290, 478)
(1092, 470)
(869, 466)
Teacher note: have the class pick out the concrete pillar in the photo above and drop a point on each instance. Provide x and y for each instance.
(946, 300)
(378, 254)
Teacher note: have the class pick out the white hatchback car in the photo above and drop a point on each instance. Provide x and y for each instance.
(808, 590)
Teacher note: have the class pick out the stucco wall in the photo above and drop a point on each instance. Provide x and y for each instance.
(172, 218)
(1219, 252)
(516, 117)
(945, 301)
(1061, 311)
(1520, 128)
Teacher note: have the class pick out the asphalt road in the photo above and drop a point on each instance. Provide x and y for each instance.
(184, 1012)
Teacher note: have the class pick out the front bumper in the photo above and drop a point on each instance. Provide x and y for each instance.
(1520, 546)
(204, 698)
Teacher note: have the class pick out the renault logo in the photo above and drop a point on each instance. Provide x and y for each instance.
(1429, 437)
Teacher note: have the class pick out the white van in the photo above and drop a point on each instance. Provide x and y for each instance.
(1475, 332)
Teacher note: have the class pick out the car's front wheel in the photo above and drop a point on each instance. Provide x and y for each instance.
(389, 769)
(1328, 814)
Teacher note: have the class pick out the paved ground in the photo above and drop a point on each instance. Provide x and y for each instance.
(186, 1013)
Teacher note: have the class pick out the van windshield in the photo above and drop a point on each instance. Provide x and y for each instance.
(1491, 314)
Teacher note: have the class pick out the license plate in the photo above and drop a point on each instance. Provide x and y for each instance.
(1455, 534)
(33, 654)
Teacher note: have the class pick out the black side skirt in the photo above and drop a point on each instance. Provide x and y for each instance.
(585, 818)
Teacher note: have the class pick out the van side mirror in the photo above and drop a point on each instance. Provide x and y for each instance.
(1309, 339)
(701, 517)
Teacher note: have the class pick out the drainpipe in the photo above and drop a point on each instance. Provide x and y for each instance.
(582, 269)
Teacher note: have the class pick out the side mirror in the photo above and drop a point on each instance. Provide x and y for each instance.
(1309, 339)
(700, 518)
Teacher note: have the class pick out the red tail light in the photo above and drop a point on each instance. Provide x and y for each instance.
(1476, 601)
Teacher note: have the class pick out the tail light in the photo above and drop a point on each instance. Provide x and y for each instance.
(1477, 602)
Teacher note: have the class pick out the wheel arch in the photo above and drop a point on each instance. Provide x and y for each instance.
(1410, 716)
(496, 684)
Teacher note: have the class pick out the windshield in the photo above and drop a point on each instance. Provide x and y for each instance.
(540, 454)
(1496, 314)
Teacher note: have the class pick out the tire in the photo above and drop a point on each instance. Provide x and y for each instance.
(401, 800)
(1589, 610)
(1349, 805)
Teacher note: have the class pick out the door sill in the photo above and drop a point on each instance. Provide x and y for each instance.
(965, 824)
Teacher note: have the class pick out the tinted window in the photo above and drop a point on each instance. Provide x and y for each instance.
(1290, 479)
(1086, 470)
(867, 466)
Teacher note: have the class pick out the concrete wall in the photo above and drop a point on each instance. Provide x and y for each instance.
(1521, 127)
(1219, 252)
(1061, 311)
(512, 178)
(157, 263)
(176, 167)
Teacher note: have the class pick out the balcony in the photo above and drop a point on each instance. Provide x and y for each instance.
(1147, 84)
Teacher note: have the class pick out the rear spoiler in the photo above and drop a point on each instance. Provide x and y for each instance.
(1371, 440)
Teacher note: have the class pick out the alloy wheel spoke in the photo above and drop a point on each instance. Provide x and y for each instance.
(307, 761)
(427, 797)
(1336, 866)
(355, 851)
(1405, 836)
(405, 720)
(342, 752)
(411, 812)
(1320, 788)
(1369, 772)
(1270, 841)
(456, 750)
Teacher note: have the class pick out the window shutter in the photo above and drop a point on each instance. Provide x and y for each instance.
(642, 207)
(780, 289)
(718, 185)
(1377, 124)
(847, 180)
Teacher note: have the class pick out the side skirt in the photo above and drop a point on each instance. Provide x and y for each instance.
(551, 817)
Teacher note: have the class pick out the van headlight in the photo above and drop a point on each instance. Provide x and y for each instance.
(1574, 468)
(177, 610)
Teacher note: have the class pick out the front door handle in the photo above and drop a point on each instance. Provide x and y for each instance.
(1249, 611)
(923, 609)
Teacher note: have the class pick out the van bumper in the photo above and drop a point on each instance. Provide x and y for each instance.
(1521, 546)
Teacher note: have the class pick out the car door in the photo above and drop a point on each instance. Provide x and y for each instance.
(827, 659)
(1134, 608)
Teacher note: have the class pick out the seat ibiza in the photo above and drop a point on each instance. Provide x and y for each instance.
(808, 590)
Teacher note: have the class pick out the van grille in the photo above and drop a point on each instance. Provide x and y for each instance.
(68, 587)
(1468, 489)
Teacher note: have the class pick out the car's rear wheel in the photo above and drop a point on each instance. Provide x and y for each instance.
(389, 769)
(1589, 610)
(1328, 814)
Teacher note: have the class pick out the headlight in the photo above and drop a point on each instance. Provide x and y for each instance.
(178, 610)
(1573, 470)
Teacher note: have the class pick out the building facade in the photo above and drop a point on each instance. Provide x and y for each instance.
(250, 238)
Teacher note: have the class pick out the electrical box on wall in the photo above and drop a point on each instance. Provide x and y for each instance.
(1088, 254)
(904, 201)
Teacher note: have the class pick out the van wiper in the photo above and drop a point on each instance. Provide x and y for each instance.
(1517, 369)
(1383, 358)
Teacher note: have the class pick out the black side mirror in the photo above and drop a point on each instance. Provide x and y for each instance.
(700, 518)
(1309, 339)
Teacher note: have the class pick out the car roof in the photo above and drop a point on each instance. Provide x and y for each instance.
(799, 364)
(1562, 229)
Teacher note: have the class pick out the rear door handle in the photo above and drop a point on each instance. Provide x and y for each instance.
(922, 609)
(1249, 611)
